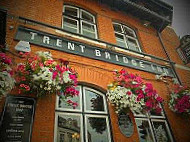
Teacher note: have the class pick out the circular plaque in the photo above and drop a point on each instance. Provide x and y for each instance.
(125, 124)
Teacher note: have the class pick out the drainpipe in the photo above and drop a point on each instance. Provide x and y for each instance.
(170, 61)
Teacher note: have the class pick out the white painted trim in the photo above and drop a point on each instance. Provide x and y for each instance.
(81, 38)
(182, 67)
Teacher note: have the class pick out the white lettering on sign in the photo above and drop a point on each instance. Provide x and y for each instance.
(159, 69)
(97, 53)
(134, 62)
(59, 43)
(117, 58)
(41, 38)
(165, 70)
(33, 35)
(46, 39)
(153, 68)
(82, 48)
(141, 64)
(71, 46)
(125, 60)
(107, 55)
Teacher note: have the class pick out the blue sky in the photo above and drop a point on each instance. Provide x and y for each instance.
(181, 16)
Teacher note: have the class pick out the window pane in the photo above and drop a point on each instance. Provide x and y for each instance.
(68, 128)
(88, 17)
(63, 105)
(89, 34)
(97, 130)
(117, 28)
(94, 101)
(120, 40)
(70, 25)
(132, 44)
(88, 30)
(144, 130)
(71, 11)
(161, 131)
(88, 27)
(129, 32)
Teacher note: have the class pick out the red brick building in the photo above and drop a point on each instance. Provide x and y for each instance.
(97, 37)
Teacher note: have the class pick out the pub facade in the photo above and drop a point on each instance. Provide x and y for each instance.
(96, 37)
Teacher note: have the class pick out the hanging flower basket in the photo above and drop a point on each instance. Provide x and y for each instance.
(41, 75)
(129, 91)
(179, 100)
(7, 82)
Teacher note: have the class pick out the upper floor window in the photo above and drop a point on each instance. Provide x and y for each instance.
(126, 37)
(78, 20)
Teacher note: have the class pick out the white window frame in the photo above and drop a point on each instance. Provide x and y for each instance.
(155, 118)
(80, 20)
(104, 99)
(83, 113)
(68, 114)
(97, 116)
(127, 36)
(146, 119)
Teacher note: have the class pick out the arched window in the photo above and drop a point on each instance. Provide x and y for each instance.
(153, 127)
(88, 122)
(78, 20)
(126, 37)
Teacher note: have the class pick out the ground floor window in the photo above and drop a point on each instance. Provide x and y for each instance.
(88, 122)
(153, 128)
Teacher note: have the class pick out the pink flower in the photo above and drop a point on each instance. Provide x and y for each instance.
(129, 93)
(23, 78)
(159, 99)
(149, 104)
(55, 73)
(71, 91)
(72, 103)
(122, 72)
(158, 110)
(49, 62)
(21, 68)
(140, 96)
(27, 88)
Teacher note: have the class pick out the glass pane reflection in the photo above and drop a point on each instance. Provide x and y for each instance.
(94, 101)
(97, 130)
(62, 104)
(144, 130)
(161, 131)
(68, 129)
